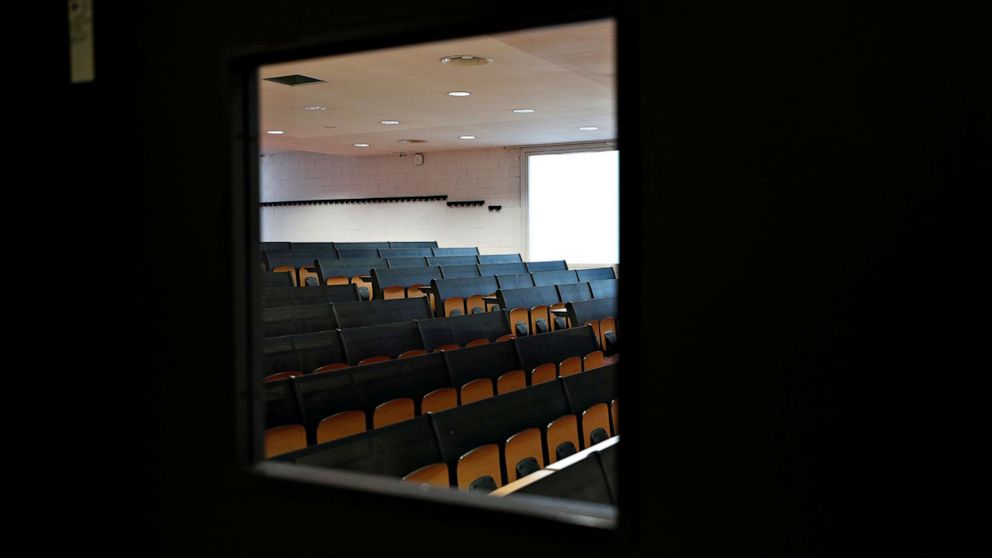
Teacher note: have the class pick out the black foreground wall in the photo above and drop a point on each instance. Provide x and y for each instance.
(803, 216)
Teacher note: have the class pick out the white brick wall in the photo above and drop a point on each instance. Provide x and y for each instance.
(492, 175)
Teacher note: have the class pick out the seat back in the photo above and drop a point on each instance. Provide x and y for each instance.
(439, 400)
(284, 439)
(520, 448)
(393, 411)
(435, 474)
(478, 464)
(340, 425)
(595, 424)
(596, 274)
(476, 390)
(543, 278)
(563, 438)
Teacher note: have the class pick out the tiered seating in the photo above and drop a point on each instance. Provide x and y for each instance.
(364, 388)
(501, 438)
(601, 314)
(291, 296)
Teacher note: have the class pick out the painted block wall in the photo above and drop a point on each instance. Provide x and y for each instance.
(492, 175)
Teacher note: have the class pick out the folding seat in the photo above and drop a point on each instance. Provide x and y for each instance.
(523, 454)
(569, 366)
(543, 373)
(364, 287)
(593, 360)
(281, 376)
(448, 347)
(308, 277)
(507, 337)
(412, 353)
(288, 269)
(479, 470)
(331, 367)
(439, 400)
(563, 438)
(557, 322)
(337, 280)
(392, 411)
(475, 304)
(615, 416)
(476, 343)
(511, 381)
(540, 319)
(595, 424)
(435, 474)
(373, 360)
(519, 320)
(340, 425)
(284, 439)
(476, 390)
(454, 306)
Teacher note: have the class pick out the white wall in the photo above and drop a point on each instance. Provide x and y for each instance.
(492, 175)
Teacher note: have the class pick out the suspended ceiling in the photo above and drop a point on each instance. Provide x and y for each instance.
(566, 74)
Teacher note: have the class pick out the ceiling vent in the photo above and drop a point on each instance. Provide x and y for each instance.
(294, 80)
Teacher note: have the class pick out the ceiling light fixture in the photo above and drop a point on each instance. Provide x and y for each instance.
(466, 60)
(466, 137)
(389, 122)
(523, 111)
(275, 132)
(361, 145)
(589, 128)
(458, 93)
(315, 108)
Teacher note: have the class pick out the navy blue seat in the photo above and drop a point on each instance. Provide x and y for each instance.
(462, 329)
(376, 312)
(574, 292)
(557, 265)
(275, 245)
(519, 281)
(360, 245)
(407, 262)
(604, 288)
(313, 246)
(455, 271)
(292, 320)
(292, 296)
(588, 310)
(555, 347)
(543, 278)
(503, 268)
(402, 277)
(380, 340)
(467, 251)
(453, 260)
(405, 252)
(500, 258)
(411, 244)
(353, 253)
(596, 274)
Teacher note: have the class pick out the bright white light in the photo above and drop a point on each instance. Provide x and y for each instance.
(390, 122)
(361, 145)
(466, 137)
(523, 111)
(275, 132)
(588, 128)
(574, 188)
(315, 108)
(459, 93)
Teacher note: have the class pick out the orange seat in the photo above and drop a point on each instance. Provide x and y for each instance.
(539, 313)
(520, 449)
(519, 322)
(569, 366)
(478, 470)
(284, 439)
(595, 424)
(473, 302)
(340, 425)
(615, 416)
(448, 347)
(390, 293)
(281, 376)
(593, 361)
(392, 411)
(606, 325)
(331, 367)
(476, 390)
(543, 373)
(476, 343)
(305, 273)
(337, 280)
(435, 474)
(557, 306)
(439, 400)
(359, 283)
(452, 304)
(563, 438)
(506, 337)
(373, 360)
(511, 381)
(412, 353)
(288, 269)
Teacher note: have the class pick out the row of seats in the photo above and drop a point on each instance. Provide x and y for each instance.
(569, 405)
(400, 280)
(465, 295)
(347, 245)
(590, 475)
(300, 318)
(305, 257)
(531, 308)
(478, 371)
(285, 295)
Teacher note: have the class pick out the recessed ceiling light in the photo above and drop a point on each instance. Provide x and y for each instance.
(589, 128)
(459, 93)
(466, 60)
(275, 132)
(411, 141)
(390, 122)
(315, 108)
(523, 111)
(466, 137)
(361, 145)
